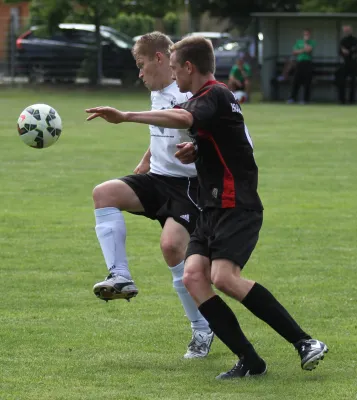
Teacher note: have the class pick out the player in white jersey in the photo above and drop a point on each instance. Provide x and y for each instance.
(162, 189)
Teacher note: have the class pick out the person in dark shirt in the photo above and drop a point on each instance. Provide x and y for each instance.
(348, 51)
(232, 213)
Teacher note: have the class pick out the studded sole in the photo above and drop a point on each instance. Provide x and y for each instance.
(110, 293)
(314, 361)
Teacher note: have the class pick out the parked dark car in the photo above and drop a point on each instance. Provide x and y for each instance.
(71, 51)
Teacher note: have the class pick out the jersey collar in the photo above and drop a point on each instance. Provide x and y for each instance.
(211, 82)
(167, 88)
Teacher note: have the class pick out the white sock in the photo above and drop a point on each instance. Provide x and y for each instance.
(192, 313)
(111, 232)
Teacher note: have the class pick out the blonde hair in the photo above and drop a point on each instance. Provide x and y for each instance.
(198, 51)
(151, 43)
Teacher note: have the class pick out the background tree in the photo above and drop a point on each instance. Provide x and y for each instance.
(238, 12)
(329, 5)
(171, 22)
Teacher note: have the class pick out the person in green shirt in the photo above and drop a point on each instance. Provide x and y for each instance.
(240, 77)
(303, 50)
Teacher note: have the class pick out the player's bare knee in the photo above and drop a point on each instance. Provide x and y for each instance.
(98, 196)
(106, 195)
(220, 281)
(172, 248)
(192, 277)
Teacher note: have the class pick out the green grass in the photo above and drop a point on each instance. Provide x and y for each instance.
(57, 341)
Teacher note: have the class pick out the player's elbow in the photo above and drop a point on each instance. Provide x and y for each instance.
(186, 119)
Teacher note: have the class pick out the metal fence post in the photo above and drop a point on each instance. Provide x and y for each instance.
(13, 23)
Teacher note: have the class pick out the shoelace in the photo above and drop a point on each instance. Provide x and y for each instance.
(195, 346)
(304, 348)
(238, 366)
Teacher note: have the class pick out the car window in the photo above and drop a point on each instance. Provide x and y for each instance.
(117, 39)
(58, 35)
(79, 36)
(40, 32)
(120, 35)
(43, 33)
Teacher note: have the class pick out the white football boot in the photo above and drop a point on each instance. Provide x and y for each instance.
(200, 344)
(115, 287)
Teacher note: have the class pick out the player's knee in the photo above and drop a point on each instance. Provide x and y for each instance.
(219, 280)
(99, 195)
(172, 248)
(105, 195)
(192, 277)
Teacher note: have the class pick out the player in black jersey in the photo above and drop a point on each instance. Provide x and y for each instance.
(228, 228)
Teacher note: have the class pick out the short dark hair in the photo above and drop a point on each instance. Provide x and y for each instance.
(150, 43)
(197, 50)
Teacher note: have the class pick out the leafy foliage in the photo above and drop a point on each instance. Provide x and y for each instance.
(330, 5)
(171, 22)
(133, 24)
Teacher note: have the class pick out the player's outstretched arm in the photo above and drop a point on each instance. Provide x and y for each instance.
(110, 114)
(173, 118)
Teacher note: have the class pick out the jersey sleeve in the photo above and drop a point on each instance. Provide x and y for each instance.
(203, 108)
(248, 70)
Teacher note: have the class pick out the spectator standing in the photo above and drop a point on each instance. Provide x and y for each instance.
(303, 49)
(348, 51)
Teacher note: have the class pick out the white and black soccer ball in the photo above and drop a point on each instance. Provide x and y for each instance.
(39, 126)
(240, 96)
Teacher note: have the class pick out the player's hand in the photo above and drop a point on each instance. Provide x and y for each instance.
(187, 153)
(143, 167)
(110, 114)
(345, 51)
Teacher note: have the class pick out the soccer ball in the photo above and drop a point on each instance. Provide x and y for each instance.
(39, 126)
(241, 96)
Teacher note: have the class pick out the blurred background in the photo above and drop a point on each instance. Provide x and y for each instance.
(88, 42)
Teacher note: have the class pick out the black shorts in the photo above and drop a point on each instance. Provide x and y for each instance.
(165, 196)
(228, 233)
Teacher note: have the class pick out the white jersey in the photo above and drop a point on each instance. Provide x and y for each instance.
(163, 141)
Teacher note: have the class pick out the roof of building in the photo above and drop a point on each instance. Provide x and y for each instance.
(303, 15)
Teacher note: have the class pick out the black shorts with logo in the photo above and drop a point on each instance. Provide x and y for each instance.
(165, 196)
(228, 233)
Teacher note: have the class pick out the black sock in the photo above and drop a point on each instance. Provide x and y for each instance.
(225, 325)
(264, 305)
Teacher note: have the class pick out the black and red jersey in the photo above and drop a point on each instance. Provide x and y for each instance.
(226, 169)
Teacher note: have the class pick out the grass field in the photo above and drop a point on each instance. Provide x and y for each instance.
(57, 341)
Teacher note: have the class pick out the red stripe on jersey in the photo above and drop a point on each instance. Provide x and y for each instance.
(208, 83)
(202, 94)
(229, 191)
(204, 134)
